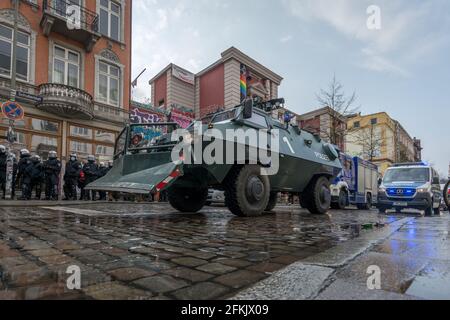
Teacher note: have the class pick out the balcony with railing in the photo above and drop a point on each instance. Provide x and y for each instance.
(76, 22)
(66, 101)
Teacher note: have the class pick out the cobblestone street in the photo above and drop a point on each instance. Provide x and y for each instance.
(147, 251)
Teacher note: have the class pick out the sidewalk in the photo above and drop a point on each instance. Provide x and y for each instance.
(413, 255)
(44, 203)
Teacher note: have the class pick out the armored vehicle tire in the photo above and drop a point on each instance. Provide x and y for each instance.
(304, 202)
(272, 201)
(342, 201)
(318, 195)
(247, 192)
(187, 199)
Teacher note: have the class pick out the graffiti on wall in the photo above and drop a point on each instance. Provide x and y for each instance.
(182, 118)
(138, 115)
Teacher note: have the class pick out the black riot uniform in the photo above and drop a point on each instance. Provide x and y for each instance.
(52, 168)
(20, 178)
(73, 169)
(35, 172)
(3, 165)
(91, 173)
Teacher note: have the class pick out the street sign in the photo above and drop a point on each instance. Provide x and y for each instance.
(12, 110)
(29, 96)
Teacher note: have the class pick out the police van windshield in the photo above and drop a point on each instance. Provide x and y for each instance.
(407, 175)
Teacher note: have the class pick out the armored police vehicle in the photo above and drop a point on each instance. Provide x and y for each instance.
(284, 158)
(410, 186)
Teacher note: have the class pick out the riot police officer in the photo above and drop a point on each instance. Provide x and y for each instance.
(13, 182)
(91, 172)
(3, 165)
(52, 168)
(73, 169)
(22, 165)
(36, 174)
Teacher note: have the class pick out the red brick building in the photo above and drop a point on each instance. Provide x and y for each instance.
(216, 87)
(82, 74)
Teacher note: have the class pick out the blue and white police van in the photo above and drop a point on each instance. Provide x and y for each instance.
(410, 186)
(357, 184)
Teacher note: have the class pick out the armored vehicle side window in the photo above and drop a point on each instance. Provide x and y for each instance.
(224, 116)
(259, 120)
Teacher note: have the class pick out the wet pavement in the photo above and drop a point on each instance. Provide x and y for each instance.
(142, 251)
(149, 251)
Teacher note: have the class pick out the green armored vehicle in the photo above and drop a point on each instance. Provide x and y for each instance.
(243, 151)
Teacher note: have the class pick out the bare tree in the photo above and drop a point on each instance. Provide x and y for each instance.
(339, 108)
(371, 142)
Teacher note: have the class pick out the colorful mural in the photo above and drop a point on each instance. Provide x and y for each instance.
(181, 115)
(140, 115)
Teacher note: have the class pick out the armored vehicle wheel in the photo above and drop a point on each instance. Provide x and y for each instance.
(318, 195)
(272, 201)
(342, 201)
(187, 199)
(303, 202)
(247, 192)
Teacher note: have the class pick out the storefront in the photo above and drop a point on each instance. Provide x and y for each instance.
(40, 135)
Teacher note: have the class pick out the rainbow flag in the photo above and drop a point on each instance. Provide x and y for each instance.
(243, 82)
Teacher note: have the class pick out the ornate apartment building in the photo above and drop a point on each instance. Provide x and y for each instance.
(73, 83)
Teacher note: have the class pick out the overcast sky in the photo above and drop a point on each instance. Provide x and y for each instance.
(403, 69)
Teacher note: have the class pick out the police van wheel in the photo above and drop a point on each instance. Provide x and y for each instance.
(429, 211)
(247, 192)
(272, 201)
(342, 201)
(187, 199)
(318, 195)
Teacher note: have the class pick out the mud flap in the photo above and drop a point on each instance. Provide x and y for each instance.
(143, 182)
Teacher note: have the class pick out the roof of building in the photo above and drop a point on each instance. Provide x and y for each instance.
(234, 53)
(231, 53)
(318, 112)
(170, 66)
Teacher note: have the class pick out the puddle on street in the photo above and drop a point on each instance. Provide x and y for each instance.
(431, 287)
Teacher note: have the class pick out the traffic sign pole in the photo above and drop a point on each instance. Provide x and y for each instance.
(10, 159)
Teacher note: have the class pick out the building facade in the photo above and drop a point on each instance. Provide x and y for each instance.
(380, 139)
(326, 123)
(73, 78)
(222, 85)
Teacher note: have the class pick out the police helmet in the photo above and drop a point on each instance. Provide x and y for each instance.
(2, 149)
(52, 155)
(24, 152)
(91, 158)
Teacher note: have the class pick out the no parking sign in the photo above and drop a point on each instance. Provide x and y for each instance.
(12, 110)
